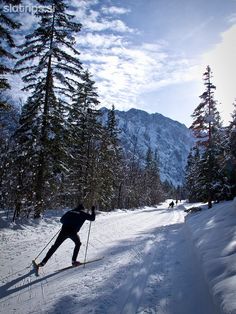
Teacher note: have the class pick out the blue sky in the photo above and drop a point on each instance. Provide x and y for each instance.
(151, 54)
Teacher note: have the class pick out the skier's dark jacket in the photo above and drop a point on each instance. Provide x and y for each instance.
(74, 219)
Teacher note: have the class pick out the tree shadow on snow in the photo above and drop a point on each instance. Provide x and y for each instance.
(65, 304)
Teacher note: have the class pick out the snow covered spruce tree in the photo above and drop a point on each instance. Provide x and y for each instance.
(51, 69)
(231, 165)
(8, 113)
(110, 174)
(7, 26)
(207, 129)
(153, 192)
(116, 159)
(85, 135)
(192, 175)
(133, 175)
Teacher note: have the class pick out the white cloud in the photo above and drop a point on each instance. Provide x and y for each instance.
(92, 23)
(123, 71)
(232, 18)
(82, 4)
(94, 20)
(222, 61)
(115, 10)
(99, 41)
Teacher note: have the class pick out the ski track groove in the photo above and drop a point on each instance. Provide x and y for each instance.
(136, 291)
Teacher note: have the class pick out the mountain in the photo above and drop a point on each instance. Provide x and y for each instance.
(171, 139)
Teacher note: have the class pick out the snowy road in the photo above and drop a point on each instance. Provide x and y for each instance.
(149, 267)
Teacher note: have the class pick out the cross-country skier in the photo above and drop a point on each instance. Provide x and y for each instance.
(71, 221)
(171, 205)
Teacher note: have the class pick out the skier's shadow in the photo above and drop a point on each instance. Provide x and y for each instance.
(5, 290)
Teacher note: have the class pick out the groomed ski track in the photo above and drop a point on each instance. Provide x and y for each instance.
(149, 267)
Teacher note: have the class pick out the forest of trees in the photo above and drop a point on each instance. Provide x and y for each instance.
(211, 167)
(54, 149)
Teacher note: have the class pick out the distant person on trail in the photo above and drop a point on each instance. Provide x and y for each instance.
(71, 221)
(171, 205)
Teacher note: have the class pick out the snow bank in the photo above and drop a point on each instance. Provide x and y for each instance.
(214, 237)
(182, 207)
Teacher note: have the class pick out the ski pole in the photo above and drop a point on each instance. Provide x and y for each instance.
(47, 244)
(86, 250)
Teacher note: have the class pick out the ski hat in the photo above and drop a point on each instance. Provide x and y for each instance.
(80, 207)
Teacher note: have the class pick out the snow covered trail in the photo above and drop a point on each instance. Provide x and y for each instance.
(149, 267)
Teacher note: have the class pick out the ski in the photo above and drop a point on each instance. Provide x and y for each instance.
(36, 268)
(81, 264)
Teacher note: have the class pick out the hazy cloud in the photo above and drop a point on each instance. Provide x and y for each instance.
(115, 10)
(123, 71)
(223, 64)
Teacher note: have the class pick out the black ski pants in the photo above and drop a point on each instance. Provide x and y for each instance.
(64, 234)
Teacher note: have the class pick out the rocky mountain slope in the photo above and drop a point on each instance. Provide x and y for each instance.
(171, 139)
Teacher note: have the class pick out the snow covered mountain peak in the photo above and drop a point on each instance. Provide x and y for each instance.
(171, 139)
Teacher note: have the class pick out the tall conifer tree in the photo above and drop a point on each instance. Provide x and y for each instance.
(85, 134)
(207, 129)
(7, 43)
(51, 66)
(110, 172)
(152, 184)
(232, 153)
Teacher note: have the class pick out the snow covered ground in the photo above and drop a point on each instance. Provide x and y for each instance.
(213, 233)
(156, 260)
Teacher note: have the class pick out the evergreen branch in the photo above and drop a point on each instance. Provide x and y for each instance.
(4, 84)
(7, 54)
(4, 69)
(73, 82)
(31, 48)
(28, 68)
(63, 55)
(67, 70)
(68, 44)
(64, 81)
(26, 59)
(4, 19)
(64, 91)
(29, 42)
(5, 34)
(29, 87)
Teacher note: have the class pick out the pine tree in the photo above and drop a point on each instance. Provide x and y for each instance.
(7, 25)
(192, 175)
(207, 129)
(231, 164)
(133, 175)
(152, 184)
(52, 68)
(232, 134)
(110, 171)
(8, 123)
(205, 115)
(85, 134)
